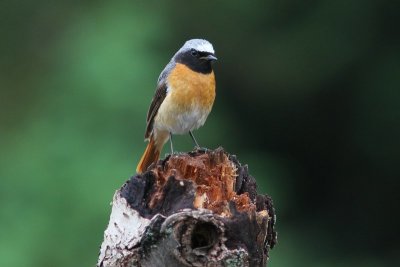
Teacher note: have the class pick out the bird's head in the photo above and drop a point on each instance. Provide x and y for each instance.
(197, 54)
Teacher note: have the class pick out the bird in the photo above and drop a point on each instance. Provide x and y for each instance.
(183, 99)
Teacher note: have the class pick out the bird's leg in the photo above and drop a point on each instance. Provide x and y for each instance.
(172, 146)
(194, 140)
(198, 148)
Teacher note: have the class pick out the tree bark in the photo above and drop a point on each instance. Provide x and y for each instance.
(192, 209)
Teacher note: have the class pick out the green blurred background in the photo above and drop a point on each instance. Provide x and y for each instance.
(307, 95)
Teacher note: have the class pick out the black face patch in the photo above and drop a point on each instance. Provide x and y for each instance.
(192, 59)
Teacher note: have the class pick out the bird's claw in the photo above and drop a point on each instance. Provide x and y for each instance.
(201, 149)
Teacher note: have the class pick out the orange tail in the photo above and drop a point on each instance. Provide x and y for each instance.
(150, 155)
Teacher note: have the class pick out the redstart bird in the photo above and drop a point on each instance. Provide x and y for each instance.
(183, 99)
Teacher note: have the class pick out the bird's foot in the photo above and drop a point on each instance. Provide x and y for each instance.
(172, 153)
(201, 149)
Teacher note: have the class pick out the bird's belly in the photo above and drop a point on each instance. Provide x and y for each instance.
(180, 120)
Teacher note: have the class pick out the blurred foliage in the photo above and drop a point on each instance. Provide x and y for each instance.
(308, 96)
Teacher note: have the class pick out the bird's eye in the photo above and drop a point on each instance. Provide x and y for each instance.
(194, 52)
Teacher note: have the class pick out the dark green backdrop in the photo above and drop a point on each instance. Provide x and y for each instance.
(307, 95)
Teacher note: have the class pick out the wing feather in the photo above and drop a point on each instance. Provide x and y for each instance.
(158, 98)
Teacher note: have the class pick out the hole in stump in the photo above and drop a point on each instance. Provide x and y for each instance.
(204, 235)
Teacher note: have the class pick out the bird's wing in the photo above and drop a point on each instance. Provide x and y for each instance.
(159, 96)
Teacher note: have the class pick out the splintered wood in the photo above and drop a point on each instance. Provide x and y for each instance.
(199, 208)
(214, 177)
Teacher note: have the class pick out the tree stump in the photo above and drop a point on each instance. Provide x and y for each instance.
(191, 209)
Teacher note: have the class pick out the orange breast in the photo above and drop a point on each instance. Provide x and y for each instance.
(190, 88)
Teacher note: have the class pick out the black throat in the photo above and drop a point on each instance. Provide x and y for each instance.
(194, 63)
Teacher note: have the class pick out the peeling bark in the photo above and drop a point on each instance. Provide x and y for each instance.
(192, 209)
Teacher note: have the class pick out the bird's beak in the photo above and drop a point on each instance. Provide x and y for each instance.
(210, 58)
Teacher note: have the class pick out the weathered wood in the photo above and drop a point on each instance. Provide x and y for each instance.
(192, 209)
